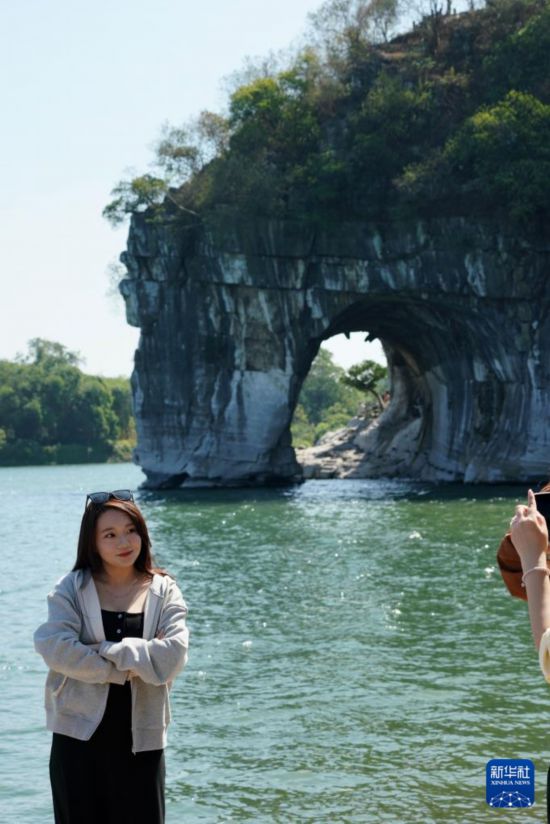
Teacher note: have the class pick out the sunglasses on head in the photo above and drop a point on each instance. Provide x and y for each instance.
(103, 497)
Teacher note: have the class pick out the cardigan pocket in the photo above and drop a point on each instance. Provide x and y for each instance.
(81, 698)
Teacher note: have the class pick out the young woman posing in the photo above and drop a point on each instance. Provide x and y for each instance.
(114, 641)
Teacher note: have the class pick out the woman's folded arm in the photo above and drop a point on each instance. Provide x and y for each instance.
(159, 660)
(58, 642)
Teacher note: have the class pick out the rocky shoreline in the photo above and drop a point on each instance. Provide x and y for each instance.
(337, 454)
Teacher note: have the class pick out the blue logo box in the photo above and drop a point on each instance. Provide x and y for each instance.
(510, 782)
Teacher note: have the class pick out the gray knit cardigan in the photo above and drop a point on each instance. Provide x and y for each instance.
(82, 663)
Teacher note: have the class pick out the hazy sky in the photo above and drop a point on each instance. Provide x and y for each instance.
(85, 88)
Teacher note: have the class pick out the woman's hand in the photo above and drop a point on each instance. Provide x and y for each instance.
(529, 533)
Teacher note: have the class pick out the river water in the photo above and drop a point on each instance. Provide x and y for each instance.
(354, 654)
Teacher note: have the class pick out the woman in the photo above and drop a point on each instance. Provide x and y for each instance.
(528, 539)
(528, 542)
(114, 641)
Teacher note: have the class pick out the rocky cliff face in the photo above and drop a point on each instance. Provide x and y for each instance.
(233, 312)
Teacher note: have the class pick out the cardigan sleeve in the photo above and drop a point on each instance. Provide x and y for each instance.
(159, 660)
(58, 642)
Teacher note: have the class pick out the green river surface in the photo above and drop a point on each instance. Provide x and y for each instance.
(354, 654)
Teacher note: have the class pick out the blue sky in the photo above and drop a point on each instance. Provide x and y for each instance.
(85, 89)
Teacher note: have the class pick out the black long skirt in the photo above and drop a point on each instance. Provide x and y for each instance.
(101, 781)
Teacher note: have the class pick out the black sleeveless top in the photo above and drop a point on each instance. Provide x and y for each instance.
(115, 728)
(117, 625)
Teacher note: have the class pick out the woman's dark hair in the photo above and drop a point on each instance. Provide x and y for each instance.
(87, 556)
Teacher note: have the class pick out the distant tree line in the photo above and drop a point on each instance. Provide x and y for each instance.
(51, 412)
(451, 116)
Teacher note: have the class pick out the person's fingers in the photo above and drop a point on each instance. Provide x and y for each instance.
(531, 500)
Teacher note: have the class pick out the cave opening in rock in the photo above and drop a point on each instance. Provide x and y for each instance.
(346, 386)
(413, 340)
(447, 390)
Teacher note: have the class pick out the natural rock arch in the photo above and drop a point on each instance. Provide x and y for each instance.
(232, 313)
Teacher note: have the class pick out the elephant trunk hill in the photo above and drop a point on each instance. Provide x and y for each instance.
(233, 312)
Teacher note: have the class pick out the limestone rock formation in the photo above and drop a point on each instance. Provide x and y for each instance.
(232, 313)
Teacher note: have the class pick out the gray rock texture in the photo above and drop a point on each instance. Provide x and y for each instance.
(233, 311)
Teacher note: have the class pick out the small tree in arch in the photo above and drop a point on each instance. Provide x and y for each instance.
(367, 376)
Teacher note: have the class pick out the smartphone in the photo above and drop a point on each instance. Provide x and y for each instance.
(543, 505)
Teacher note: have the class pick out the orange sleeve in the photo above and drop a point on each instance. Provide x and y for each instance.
(510, 567)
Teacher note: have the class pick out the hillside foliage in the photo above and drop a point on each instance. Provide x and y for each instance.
(450, 116)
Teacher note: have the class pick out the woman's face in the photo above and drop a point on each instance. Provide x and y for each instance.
(117, 540)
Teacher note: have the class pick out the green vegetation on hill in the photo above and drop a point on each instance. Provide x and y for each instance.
(51, 412)
(450, 117)
(330, 397)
